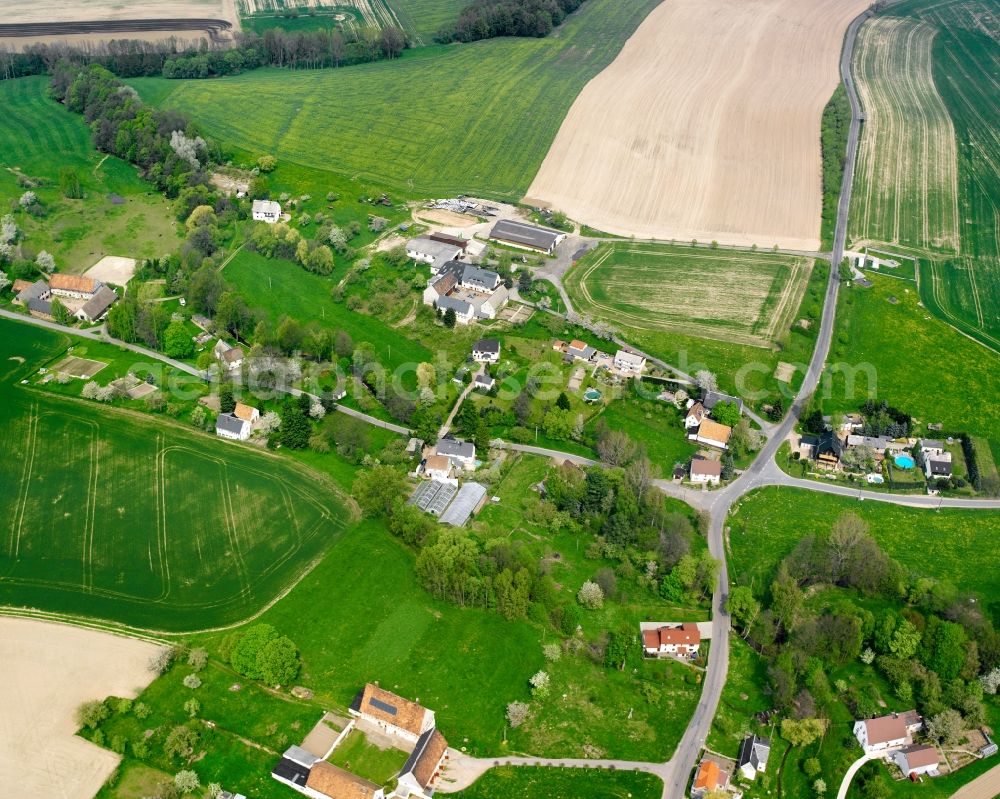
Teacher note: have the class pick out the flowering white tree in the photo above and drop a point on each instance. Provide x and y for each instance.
(28, 199)
(540, 684)
(186, 781)
(868, 656)
(552, 652)
(187, 148)
(46, 261)
(706, 380)
(91, 390)
(4, 280)
(269, 422)
(317, 411)
(991, 681)
(192, 681)
(8, 229)
(820, 786)
(517, 713)
(590, 595)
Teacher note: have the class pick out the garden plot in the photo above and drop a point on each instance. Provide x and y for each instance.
(745, 298)
(83, 368)
(906, 188)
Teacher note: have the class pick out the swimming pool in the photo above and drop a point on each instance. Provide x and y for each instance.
(591, 395)
(904, 461)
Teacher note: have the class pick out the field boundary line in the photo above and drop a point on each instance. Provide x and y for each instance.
(91, 518)
(231, 525)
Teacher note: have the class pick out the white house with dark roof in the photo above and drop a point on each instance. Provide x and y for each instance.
(461, 453)
(695, 415)
(39, 290)
(486, 350)
(628, 363)
(492, 305)
(478, 279)
(228, 425)
(753, 755)
(266, 211)
(98, 305)
(483, 382)
(464, 311)
(526, 237)
(713, 398)
(424, 249)
(580, 350)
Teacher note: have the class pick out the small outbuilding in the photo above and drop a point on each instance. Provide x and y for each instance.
(228, 425)
(917, 760)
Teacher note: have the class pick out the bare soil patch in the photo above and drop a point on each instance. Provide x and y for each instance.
(79, 367)
(705, 126)
(49, 670)
(113, 269)
(442, 217)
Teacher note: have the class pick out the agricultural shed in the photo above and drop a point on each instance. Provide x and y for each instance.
(525, 236)
(470, 498)
(94, 308)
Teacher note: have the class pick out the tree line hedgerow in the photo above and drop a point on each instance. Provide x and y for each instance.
(486, 19)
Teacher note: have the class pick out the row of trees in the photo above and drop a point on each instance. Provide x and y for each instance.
(165, 145)
(485, 19)
(177, 58)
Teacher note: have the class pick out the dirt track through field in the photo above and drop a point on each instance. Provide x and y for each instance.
(48, 671)
(907, 176)
(705, 126)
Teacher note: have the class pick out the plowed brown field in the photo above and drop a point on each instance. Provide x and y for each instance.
(705, 126)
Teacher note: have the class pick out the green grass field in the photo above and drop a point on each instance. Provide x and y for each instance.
(436, 121)
(282, 288)
(901, 343)
(950, 545)
(543, 783)
(136, 520)
(745, 298)
(963, 290)
(39, 139)
(422, 19)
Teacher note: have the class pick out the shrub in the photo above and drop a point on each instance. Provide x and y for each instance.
(192, 681)
(517, 713)
(92, 713)
(540, 683)
(186, 781)
(552, 652)
(590, 595)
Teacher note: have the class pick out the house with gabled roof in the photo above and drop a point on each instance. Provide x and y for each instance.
(887, 732)
(228, 425)
(424, 765)
(265, 211)
(327, 781)
(39, 290)
(917, 759)
(486, 350)
(695, 415)
(681, 639)
(752, 759)
(391, 713)
(712, 434)
(98, 305)
(75, 286)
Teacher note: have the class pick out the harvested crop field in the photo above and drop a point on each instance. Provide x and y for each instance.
(21, 11)
(906, 185)
(743, 298)
(705, 126)
(49, 670)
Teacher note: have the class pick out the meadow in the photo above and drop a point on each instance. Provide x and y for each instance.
(907, 174)
(745, 298)
(448, 119)
(119, 214)
(962, 289)
(282, 288)
(115, 516)
(542, 783)
(422, 19)
(951, 545)
(886, 331)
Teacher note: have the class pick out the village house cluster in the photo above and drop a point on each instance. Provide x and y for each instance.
(717, 772)
(85, 298)
(392, 721)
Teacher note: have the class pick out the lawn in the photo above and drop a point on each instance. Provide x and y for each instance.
(361, 757)
(884, 332)
(119, 516)
(745, 298)
(742, 697)
(949, 544)
(657, 426)
(964, 56)
(544, 783)
(448, 119)
(120, 213)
